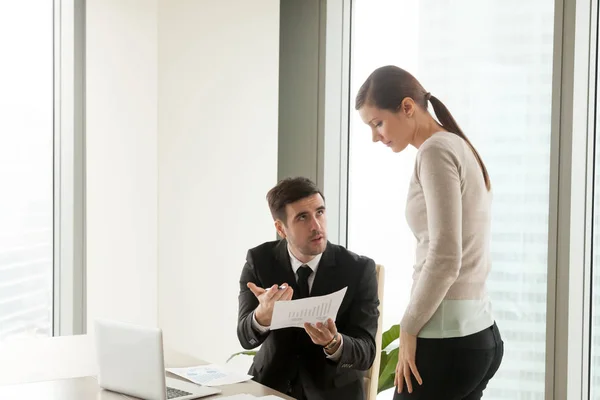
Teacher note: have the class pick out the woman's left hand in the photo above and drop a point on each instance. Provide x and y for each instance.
(406, 362)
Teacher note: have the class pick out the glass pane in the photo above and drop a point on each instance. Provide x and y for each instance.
(595, 323)
(490, 62)
(26, 168)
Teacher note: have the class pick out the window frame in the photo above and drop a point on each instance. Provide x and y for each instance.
(333, 135)
(571, 184)
(69, 280)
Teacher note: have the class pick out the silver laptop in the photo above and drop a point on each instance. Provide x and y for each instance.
(131, 361)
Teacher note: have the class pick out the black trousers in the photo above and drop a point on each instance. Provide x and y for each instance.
(455, 368)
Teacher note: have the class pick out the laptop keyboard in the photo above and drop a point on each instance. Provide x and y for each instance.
(174, 393)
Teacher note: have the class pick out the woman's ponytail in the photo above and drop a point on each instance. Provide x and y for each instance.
(449, 123)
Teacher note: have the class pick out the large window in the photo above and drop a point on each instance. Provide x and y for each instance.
(41, 159)
(26, 168)
(491, 63)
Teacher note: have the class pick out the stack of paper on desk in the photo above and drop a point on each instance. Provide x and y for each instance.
(210, 375)
(295, 313)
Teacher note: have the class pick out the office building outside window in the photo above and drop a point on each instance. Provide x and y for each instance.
(26, 169)
(595, 292)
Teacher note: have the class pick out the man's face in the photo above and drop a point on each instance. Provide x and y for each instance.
(305, 228)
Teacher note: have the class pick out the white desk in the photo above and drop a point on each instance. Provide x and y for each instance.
(86, 388)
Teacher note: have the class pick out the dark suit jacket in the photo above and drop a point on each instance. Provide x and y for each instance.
(288, 355)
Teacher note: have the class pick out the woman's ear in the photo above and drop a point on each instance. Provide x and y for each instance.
(408, 106)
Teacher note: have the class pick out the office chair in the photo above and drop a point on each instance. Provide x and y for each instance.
(372, 376)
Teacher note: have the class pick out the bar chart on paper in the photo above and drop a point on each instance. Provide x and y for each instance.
(320, 312)
(295, 313)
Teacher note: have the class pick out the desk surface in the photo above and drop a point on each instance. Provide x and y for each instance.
(85, 388)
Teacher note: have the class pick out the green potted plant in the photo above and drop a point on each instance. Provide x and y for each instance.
(389, 357)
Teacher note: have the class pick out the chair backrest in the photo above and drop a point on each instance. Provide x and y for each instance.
(372, 377)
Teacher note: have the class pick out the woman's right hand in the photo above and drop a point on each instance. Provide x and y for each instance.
(406, 362)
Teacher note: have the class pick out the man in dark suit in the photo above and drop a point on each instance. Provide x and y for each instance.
(322, 361)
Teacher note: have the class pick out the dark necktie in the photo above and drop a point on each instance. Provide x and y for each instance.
(303, 273)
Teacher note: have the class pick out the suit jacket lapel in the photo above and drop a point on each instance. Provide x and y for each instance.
(326, 273)
(284, 266)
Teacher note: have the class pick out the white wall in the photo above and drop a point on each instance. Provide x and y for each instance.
(121, 176)
(218, 90)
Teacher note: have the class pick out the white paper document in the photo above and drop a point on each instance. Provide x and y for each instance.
(295, 313)
(210, 375)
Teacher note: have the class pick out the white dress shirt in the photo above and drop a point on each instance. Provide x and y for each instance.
(296, 264)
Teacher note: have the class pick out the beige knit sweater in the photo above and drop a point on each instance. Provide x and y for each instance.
(448, 210)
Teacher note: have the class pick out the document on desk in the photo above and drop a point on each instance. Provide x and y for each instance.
(210, 375)
(294, 313)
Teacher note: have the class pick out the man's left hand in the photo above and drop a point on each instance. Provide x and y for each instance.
(322, 334)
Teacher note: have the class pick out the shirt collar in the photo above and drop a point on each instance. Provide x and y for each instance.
(313, 264)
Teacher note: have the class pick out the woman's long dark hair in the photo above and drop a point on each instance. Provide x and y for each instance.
(388, 86)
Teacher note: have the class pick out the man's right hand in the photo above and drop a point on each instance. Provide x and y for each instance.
(267, 298)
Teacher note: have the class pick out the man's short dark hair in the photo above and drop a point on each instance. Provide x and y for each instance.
(289, 191)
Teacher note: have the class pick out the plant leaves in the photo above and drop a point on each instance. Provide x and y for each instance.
(385, 385)
(383, 362)
(245, 353)
(390, 335)
(386, 377)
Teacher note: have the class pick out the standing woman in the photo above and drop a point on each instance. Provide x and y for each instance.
(450, 346)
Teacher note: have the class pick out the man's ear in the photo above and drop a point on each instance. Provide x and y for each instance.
(280, 228)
